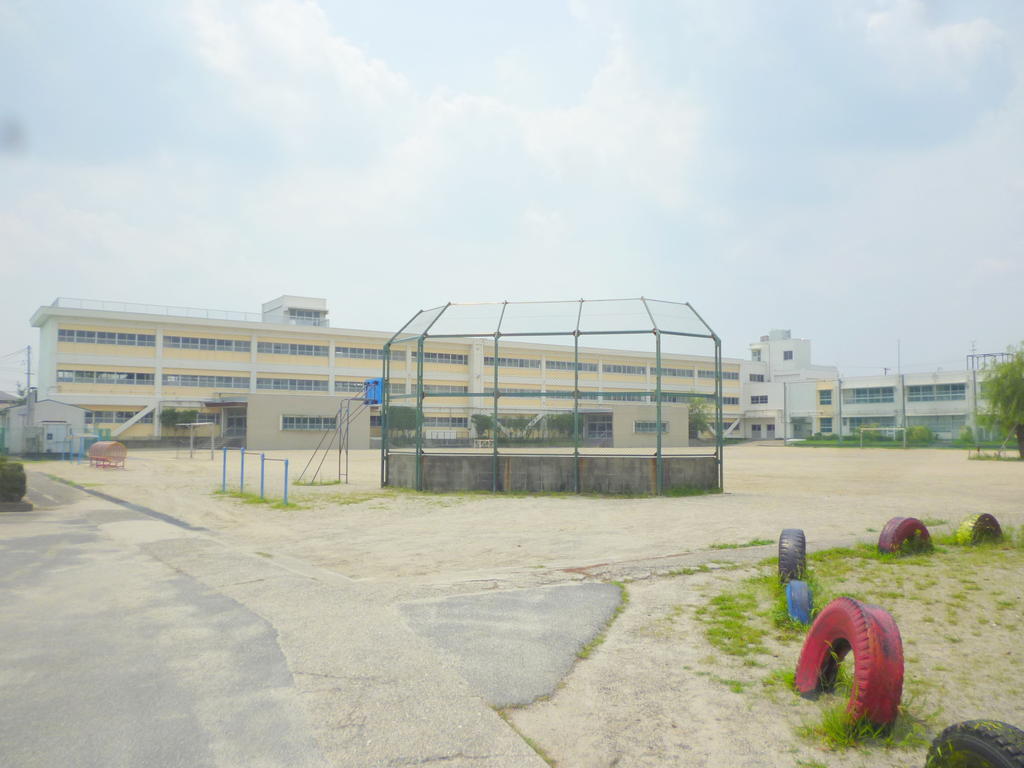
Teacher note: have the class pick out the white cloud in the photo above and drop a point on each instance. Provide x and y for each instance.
(918, 49)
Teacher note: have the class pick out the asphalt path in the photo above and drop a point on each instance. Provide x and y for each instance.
(131, 639)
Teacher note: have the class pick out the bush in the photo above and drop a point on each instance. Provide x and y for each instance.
(966, 436)
(12, 480)
(920, 435)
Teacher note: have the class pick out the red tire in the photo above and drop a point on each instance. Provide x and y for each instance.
(869, 631)
(904, 533)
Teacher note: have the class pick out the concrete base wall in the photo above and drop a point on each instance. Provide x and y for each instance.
(598, 474)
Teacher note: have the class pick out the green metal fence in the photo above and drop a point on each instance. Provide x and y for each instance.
(534, 383)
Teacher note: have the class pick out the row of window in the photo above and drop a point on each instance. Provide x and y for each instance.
(292, 385)
(207, 344)
(569, 365)
(115, 417)
(367, 353)
(206, 381)
(443, 358)
(868, 395)
(105, 377)
(512, 362)
(644, 427)
(446, 421)
(283, 348)
(307, 423)
(683, 373)
(448, 388)
(927, 393)
(631, 370)
(106, 337)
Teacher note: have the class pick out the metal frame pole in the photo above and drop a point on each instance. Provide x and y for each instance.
(224, 473)
(241, 481)
(263, 464)
(494, 417)
(419, 414)
(719, 436)
(576, 410)
(660, 477)
(286, 482)
(384, 387)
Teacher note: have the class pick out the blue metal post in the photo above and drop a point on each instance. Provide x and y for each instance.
(286, 482)
(224, 473)
(241, 479)
(263, 463)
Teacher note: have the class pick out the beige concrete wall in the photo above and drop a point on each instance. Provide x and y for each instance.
(265, 412)
(624, 415)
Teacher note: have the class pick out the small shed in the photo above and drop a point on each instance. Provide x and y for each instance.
(42, 426)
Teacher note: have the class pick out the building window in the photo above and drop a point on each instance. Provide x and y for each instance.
(307, 317)
(755, 355)
(512, 362)
(825, 425)
(705, 374)
(948, 425)
(276, 348)
(824, 397)
(207, 344)
(682, 373)
(396, 388)
(926, 393)
(115, 417)
(731, 375)
(106, 377)
(629, 397)
(868, 395)
(106, 337)
(522, 391)
(757, 377)
(787, 354)
(755, 430)
(856, 422)
(630, 370)
(445, 388)
(598, 427)
(730, 401)
(649, 427)
(293, 385)
(452, 358)
(205, 381)
(568, 365)
(308, 423)
(349, 386)
(375, 419)
(367, 353)
(457, 422)
(759, 399)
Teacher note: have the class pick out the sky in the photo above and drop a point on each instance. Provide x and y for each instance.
(852, 170)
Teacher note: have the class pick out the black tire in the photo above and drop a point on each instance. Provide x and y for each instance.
(792, 554)
(977, 744)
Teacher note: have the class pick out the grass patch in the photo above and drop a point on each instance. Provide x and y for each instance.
(254, 498)
(599, 638)
(689, 490)
(751, 543)
(316, 482)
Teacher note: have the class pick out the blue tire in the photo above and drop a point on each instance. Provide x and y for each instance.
(799, 601)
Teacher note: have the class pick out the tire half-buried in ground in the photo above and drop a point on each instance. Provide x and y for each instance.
(799, 601)
(846, 625)
(904, 534)
(977, 744)
(792, 554)
(977, 528)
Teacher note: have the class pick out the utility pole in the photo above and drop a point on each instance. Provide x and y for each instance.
(28, 370)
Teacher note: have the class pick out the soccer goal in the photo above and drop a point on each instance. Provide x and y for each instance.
(893, 433)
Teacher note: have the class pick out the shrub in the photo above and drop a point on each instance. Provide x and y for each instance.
(920, 435)
(966, 435)
(12, 480)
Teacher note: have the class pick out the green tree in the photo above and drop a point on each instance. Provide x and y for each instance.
(482, 423)
(1004, 391)
(170, 418)
(700, 417)
(559, 424)
(401, 418)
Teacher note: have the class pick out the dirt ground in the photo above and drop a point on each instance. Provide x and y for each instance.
(656, 693)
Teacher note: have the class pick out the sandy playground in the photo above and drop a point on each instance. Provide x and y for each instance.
(655, 693)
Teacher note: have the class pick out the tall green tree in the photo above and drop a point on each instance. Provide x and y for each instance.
(1003, 388)
(700, 416)
(482, 423)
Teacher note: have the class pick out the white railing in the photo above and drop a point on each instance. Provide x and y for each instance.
(158, 309)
